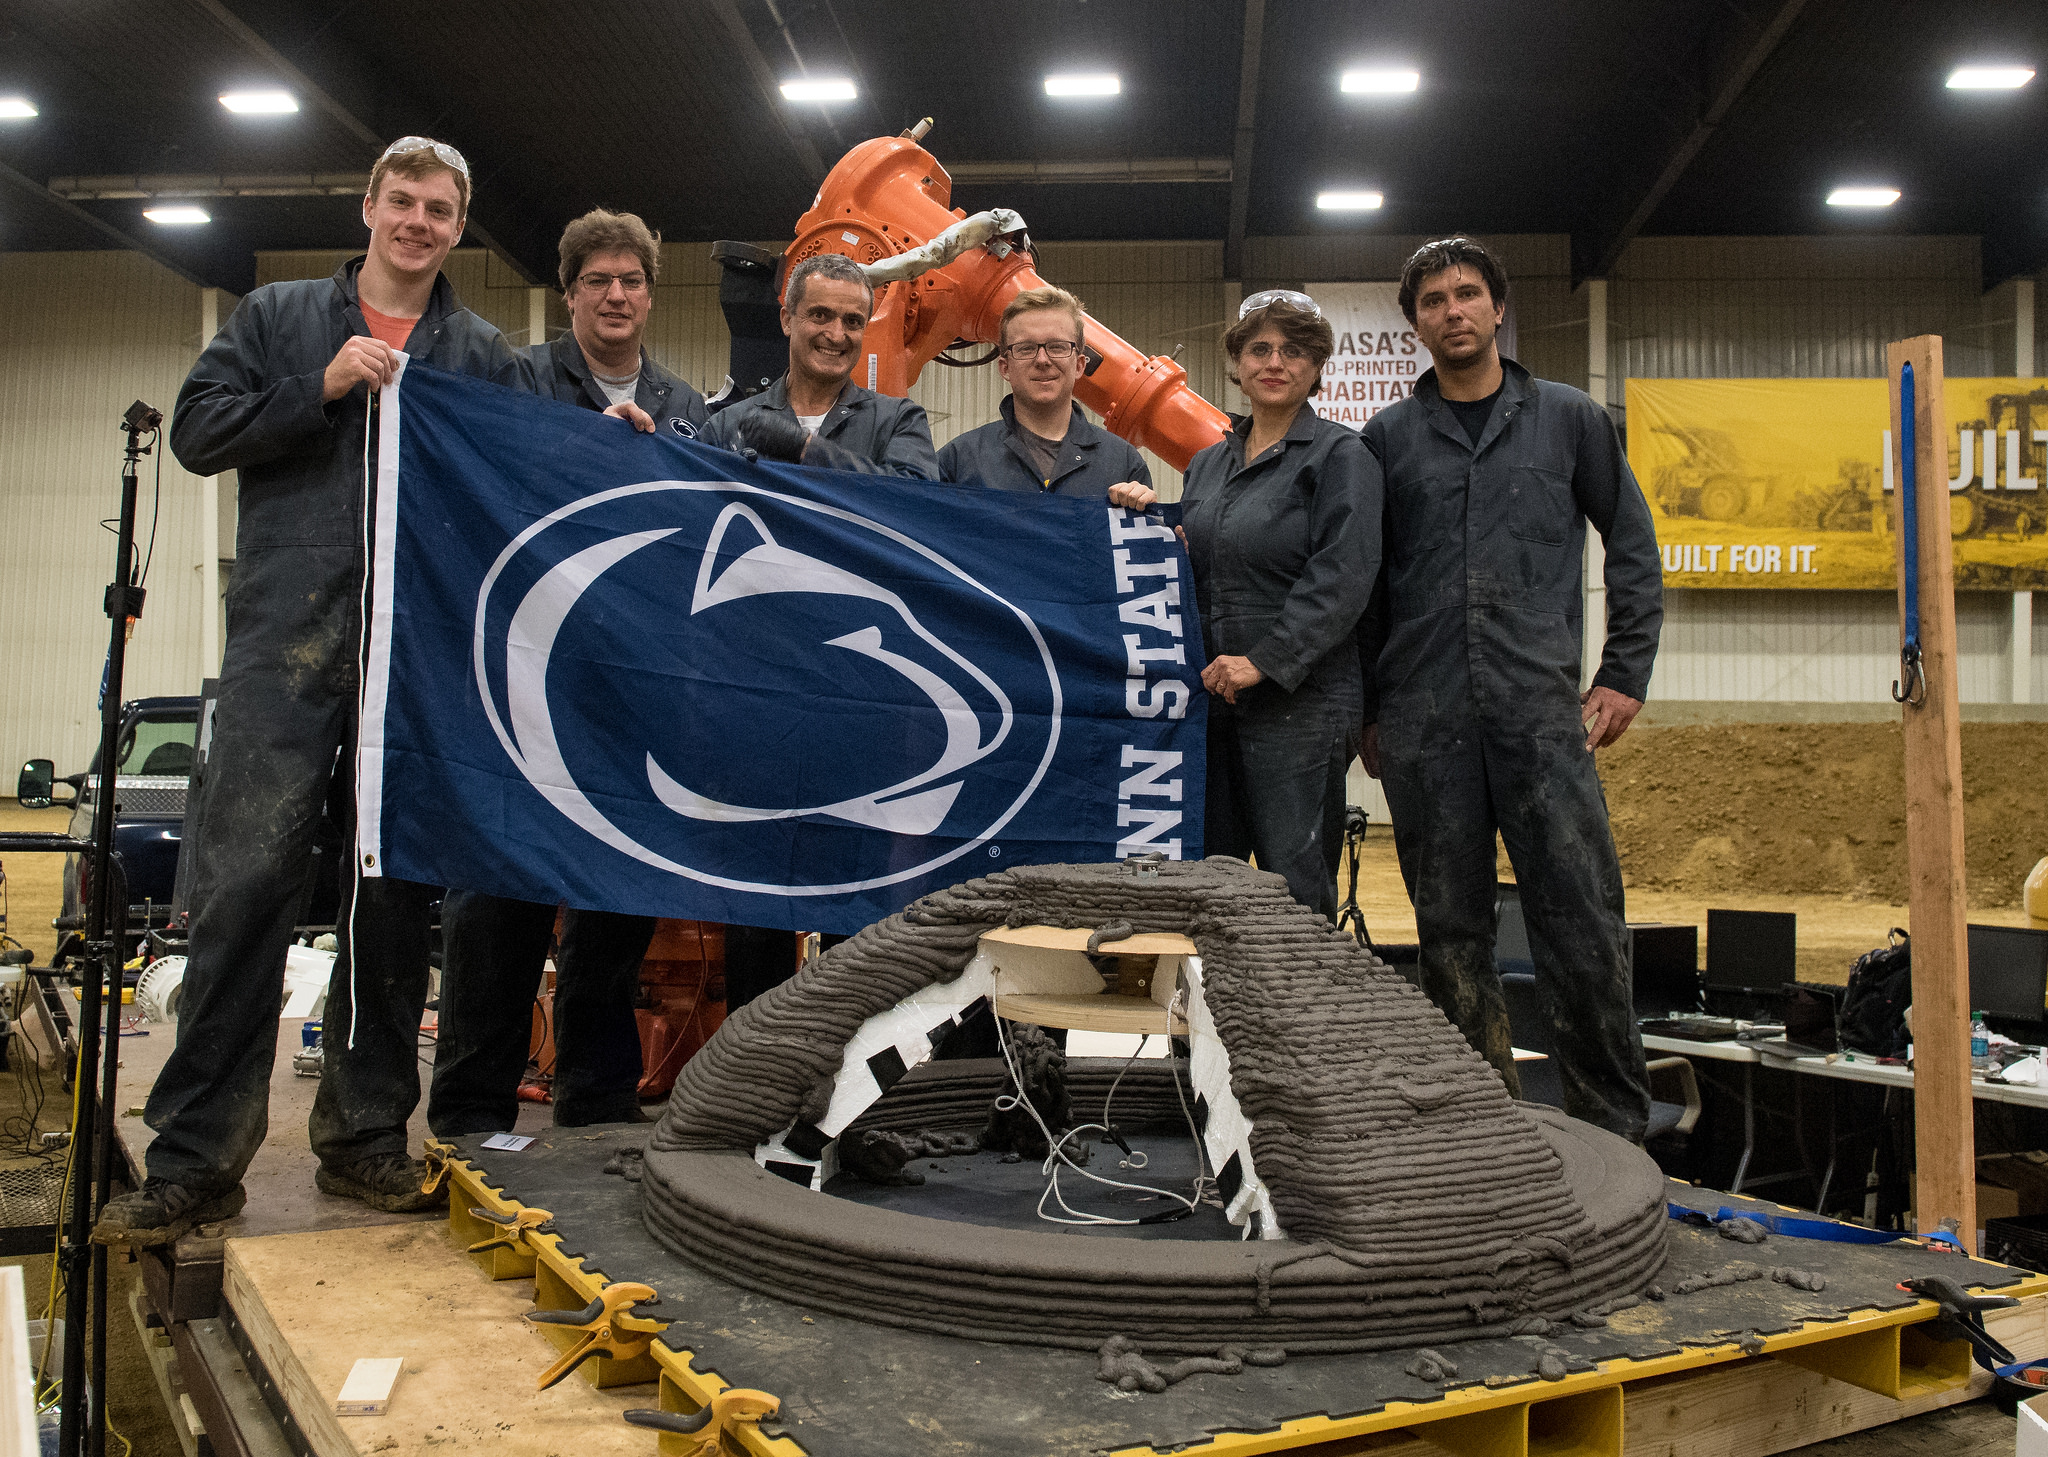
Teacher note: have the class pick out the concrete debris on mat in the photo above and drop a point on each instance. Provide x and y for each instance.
(1586, 1320)
(1530, 1325)
(1743, 1231)
(1735, 1274)
(1655, 1292)
(1431, 1366)
(1551, 1367)
(1751, 1344)
(1124, 1366)
(626, 1163)
(1811, 1280)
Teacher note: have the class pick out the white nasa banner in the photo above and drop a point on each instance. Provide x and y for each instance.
(1378, 355)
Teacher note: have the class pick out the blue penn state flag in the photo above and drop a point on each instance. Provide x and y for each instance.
(635, 673)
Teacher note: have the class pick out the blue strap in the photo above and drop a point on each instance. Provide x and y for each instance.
(2012, 1372)
(1790, 1225)
(1912, 685)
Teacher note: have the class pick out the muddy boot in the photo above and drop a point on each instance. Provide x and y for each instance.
(161, 1213)
(387, 1181)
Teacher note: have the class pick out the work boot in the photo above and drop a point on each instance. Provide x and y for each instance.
(387, 1181)
(161, 1213)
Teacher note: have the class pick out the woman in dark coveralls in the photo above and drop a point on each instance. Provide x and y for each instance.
(1282, 525)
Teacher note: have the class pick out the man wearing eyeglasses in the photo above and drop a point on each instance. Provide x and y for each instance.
(815, 414)
(610, 262)
(282, 395)
(495, 948)
(1044, 442)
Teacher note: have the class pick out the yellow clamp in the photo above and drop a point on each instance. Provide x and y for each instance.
(440, 1164)
(517, 1228)
(721, 1418)
(608, 1325)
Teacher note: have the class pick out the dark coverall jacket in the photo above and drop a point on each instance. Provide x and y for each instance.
(1090, 462)
(284, 735)
(562, 373)
(1284, 550)
(877, 435)
(495, 949)
(1473, 654)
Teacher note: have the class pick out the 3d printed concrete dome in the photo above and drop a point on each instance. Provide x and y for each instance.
(1391, 1192)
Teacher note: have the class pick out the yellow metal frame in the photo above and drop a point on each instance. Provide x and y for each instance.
(562, 1283)
(1581, 1416)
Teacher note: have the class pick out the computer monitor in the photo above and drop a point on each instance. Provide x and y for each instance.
(2009, 972)
(1666, 960)
(1751, 953)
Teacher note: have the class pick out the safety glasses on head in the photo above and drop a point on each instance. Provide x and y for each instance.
(1292, 297)
(441, 150)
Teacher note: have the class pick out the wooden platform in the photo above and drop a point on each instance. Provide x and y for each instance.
(312, 1303)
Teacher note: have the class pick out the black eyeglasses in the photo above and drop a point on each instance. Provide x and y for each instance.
(602, 282)
(1057, 350)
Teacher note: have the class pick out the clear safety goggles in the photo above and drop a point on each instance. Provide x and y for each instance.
(441, 150)
(1293, 298)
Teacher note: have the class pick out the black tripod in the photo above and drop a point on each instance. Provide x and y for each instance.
(84, 1426)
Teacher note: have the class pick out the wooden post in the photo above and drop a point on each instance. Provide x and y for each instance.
(1945, 1181)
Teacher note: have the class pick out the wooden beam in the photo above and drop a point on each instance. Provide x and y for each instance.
(1945, 1180)
(1735, 77)
(1241, 156)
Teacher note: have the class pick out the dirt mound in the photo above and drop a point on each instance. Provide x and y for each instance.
(1815, 809)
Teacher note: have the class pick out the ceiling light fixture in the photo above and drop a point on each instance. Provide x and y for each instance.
(1379, 82)
(259, 103)
(1989, 78)
(1349, 201)
(177, 217)
(828, 90)
(16, 108)
(1106, 83)
(1863, 197)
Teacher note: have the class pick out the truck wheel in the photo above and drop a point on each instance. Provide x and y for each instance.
(1722, 499)
(1965, 515)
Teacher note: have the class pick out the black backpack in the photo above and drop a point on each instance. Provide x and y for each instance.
(1880, 990)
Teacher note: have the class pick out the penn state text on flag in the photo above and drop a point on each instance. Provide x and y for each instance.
(634, 673)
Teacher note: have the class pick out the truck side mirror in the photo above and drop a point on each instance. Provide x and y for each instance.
(32, 789)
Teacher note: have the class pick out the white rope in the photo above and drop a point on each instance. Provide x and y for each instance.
(1056, 1143)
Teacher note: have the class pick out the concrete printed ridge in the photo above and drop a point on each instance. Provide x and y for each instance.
(1419, 1202)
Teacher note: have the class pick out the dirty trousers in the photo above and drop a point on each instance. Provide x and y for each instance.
(494, 954)
(1276, 785)
(283, 746)
(1541, 793)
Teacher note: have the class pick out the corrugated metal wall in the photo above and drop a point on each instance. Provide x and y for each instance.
(87, 334)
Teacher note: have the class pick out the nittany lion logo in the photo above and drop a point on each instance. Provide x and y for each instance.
(696, 673)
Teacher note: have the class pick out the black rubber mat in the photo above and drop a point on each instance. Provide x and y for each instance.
(851, 1389)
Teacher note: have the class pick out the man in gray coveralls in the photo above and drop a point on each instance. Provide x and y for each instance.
(1474, 718)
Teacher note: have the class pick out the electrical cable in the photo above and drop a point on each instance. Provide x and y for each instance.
(1056, 1145)
(156, 507)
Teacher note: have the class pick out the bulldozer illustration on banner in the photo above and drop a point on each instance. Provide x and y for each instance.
(1765, 483)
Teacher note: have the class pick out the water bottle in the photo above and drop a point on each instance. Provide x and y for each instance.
(1980, 1044)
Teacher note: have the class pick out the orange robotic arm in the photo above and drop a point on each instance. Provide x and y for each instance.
(890, 195)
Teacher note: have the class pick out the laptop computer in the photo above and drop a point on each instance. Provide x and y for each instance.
(1752, 956)
(2009, 973)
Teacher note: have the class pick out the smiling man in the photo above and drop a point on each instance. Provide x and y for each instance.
(1474, 718)
(282, 395)
(1043, 443)
(815, 414)
(610, 262)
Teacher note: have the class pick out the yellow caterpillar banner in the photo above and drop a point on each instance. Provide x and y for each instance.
(1784, 482)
